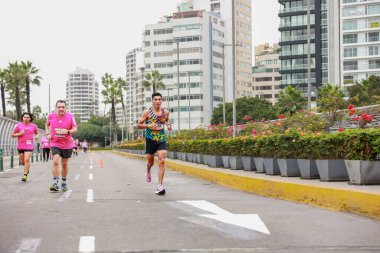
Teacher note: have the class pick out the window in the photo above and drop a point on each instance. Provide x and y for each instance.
(163, 31)
(189, 38)
(187, 27)
(350, 65)
(263, 79)
(147, 32)
(350, 52)
(373, 9)
(147, 43)
(188, 62)
(350, 38)
(373, 37)
(374, 64)
(350, 25)
(373, 50)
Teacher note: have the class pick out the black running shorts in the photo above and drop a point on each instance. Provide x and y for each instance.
(22, 151)
(152, 146)
(64, 153)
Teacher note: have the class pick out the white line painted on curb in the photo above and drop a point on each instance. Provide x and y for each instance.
(91, 167)
(29, 245)
(77, 176)
(87, 244)
(249, 221)
(90, 195)
(90, 176)
(65, 196)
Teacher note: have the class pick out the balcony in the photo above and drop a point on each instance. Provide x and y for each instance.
(373, 25)
(295, 67)
(292, 24)
(297, 81)
(295, 38)
(294, 53)
(297, 9)
(357, 2)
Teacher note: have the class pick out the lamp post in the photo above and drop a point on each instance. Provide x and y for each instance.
(233, 71)
(179, 105)
(308, 58)
(224, 87)
(189, 98)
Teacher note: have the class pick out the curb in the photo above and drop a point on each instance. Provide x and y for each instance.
(363, 203)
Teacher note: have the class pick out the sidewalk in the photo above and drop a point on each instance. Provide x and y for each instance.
(338, 196)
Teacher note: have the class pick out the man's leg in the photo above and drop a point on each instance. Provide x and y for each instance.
(56, 158)
(148, 174)
(21, 157)
(161, 165)
(27, 156)
(64, 172)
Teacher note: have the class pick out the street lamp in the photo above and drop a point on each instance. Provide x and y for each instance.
(189, 98)
(233, 71)
(308, 58)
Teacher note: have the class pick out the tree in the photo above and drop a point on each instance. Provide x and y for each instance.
(122, 85)
(111, 94)
(99, 121)
(29, 76)
(366, 92)
(254, 108)
(36, 111)
(14, 86)
(290, 101)
(154, 80)
(331, 102)
(2, 90)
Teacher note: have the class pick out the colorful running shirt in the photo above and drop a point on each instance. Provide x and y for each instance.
(25, 141)
(156, 135)
(57, 124)
(45, 142)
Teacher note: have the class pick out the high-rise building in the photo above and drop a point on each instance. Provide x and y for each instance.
(360, 50)
(200, 36)
(82, 94)
(324, 44)
(243, 39)
(266, 76)
(135, 99)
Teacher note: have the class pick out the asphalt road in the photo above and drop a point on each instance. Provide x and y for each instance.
(113, 209)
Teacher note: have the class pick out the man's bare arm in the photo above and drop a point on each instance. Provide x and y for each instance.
(141, 123)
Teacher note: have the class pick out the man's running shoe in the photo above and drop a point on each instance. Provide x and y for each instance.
(148, 176)
(54, 187)
(24, 177)
(64, 187)
(160, 190)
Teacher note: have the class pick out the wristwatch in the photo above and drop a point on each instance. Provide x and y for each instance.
(68, 131)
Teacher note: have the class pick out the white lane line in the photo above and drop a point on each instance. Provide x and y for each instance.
(87, 244)
(91, 167)
(65, 196)
(29, 245)
(90, 195)
(90, 176)
(77, 176)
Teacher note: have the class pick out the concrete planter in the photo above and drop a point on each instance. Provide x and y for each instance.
(271, 166)
(308, 169)
(189, 157)
(236, 162)
(289, 167)
(248, 163)
(142, 152)
(226, 162)
(172, 155)
(332, 170)
(363, 172)
(179, 155)
(215, 161)
(199, 158)
(259, 162)
(194, 158)
(205, 159)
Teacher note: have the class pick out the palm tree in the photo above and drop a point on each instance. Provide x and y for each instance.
(29, 75)
(122, 85)
(290, 101)
(111, 94)
(2, 90)
(15, 84)
(154, 79)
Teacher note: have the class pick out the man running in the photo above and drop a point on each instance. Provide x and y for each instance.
(25, 132)
(59, 127)
(153, 120)
(45, 143)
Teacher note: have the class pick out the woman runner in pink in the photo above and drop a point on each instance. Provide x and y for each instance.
(59, 127)
(25, 132)
(45, 144)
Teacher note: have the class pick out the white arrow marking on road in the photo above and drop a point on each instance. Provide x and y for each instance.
(90, 176)
(28, 245)
(65, 196)
(249, 221)
(87, 244)
(90, 195)
(90, 167)
(76, 176)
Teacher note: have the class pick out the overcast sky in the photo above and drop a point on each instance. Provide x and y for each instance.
(59, 35)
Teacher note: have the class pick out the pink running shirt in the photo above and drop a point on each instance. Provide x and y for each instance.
(45, 142)
(56, 123)
(25, 141)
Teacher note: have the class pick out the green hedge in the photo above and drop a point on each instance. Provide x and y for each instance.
(358, 144)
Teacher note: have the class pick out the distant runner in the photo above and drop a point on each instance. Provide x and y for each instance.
(45, 143)
(59, 127)
(25, 132)
(153, 120)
